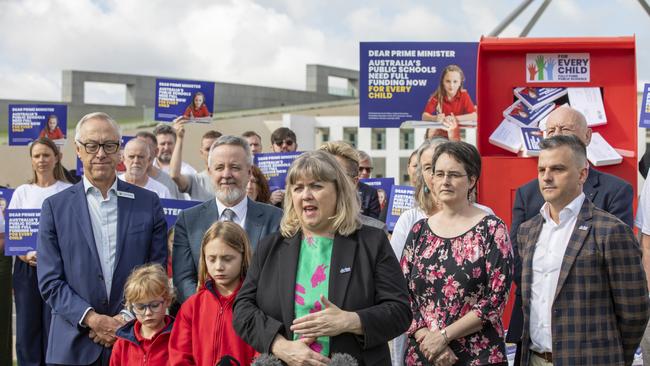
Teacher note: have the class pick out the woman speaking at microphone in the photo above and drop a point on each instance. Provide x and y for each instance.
(324, 284)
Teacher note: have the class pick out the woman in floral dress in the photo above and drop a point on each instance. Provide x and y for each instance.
(458, 265)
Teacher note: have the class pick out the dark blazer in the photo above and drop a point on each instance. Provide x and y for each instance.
(601, 305)
(261, 220)
(364, 277)
(369, 200)
(70, 276)
(605, 191)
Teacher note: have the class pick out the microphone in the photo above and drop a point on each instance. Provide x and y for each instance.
(266, 359)
(343, 359)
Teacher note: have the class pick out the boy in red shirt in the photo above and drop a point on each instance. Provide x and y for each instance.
(144, 340)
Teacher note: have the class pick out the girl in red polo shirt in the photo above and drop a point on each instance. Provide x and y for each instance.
(198, 108)
(449, 104)
(52, 130)
(145, 340)
(203, 334)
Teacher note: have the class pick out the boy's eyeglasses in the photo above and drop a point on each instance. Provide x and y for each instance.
(141, 309)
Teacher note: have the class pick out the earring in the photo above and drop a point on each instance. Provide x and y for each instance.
(427, 190)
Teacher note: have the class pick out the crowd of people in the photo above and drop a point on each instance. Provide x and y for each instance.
(306, 274)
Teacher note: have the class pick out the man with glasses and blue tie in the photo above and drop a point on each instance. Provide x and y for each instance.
(229, 166)
(91, 236)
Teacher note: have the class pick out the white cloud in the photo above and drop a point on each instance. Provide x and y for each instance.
(260, 42)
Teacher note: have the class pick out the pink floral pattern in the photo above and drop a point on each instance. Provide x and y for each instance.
(449, 277)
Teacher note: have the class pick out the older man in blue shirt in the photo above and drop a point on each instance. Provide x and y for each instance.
(91, 236)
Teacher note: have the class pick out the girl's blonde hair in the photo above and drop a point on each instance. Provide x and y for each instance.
(321, 166)
(235, 237)
(440, 94)
(147, 281)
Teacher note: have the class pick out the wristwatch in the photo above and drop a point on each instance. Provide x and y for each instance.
(444, 335)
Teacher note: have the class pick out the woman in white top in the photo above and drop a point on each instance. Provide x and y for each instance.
(426, 206)
(32, 314)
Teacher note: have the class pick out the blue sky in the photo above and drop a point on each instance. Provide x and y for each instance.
(263, 42)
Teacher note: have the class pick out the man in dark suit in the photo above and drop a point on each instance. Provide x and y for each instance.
(229, 166)
(584, 292)
(91, 236)
(605, 191)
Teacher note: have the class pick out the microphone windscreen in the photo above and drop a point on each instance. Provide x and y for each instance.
(266, 359)
(342, 359)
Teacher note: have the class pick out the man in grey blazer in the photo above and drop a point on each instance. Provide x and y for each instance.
(229, 164)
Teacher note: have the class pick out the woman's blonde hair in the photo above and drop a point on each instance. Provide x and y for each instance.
(322, 166)
(147, 281)
(423, 196)
(235, 237)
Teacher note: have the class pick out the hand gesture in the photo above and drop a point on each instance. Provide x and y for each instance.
(276, 197)
(328, 322)
(298, 353)
(452, 127)
(550, 65)
(440, 117)
(432, 343)
(178, 126)
(446, 358)
(102, 328)
(540, 67)
(532, 70)
(29, 258)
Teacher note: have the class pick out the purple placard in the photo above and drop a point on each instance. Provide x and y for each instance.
(644, 118)
(28, 122)
(5, 198)
(402, 198)
(173, 207)
(398, 78)
(177, 98)
(275, 166)
(21, 231)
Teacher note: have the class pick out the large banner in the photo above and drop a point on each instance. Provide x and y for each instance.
(192, 99)
(402, 198)
(21, 231)
(275, 166)
(28, 122)
(173, 207)
(400, 81)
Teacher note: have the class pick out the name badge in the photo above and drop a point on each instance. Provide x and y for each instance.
(126, 194)
(345, 270)
(583, 227)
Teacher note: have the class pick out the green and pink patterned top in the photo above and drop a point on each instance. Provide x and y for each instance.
(312, 280)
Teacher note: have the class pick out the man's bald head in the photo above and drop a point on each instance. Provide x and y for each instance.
(568, 121)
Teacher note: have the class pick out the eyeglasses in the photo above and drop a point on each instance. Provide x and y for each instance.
(286, 142)
(141, 309)
(439, 174)
(110, 147)
(366, 168)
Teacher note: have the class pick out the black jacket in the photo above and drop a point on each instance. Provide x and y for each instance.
(365, 277)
